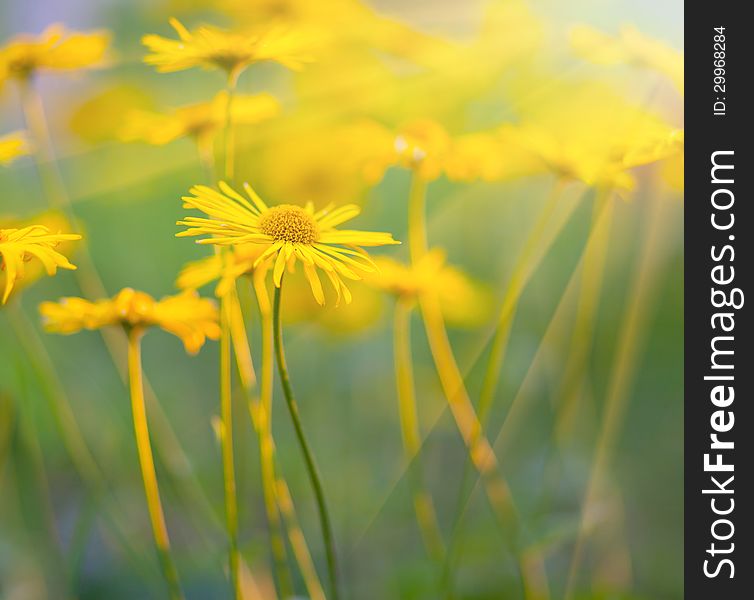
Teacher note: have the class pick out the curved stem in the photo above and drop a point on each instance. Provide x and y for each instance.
(297, 541)
(630, 339)
(47, 166)
(479, 448)
(261, 413)
(90, 283)
(417, 226)
(146, 461)
(65, 421)
(534, 248)
(226, 440)
(311, 466)
(592, 273)
(525, 264)
(230, 139)
(404, 377)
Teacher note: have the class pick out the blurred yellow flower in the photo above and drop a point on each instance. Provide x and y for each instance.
(54, 49)
(651, 149)
(12, 146)
(288, 233)
(341, 25)
(299, 306)
(420, 145)
(212, 48)
(370, 73)
(18, 246)
(464, 302)
(585, 131)
(318, 164)
(672, 171)
(33, 269)
(424, 146)
(93, 119)
(491, 156)
(629, 47)
(201, 121)
(226, 267)
(187, 316)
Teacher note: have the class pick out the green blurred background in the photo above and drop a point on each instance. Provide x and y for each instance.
(127, 200)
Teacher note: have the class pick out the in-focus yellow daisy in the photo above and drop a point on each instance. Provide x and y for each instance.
(186, 315)
(12, 146)
(212, 48)
(464, 302)
(289, 233)
(201, 121)
(55, 49)
(18, 246)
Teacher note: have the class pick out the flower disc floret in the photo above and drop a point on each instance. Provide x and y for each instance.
(289, 223)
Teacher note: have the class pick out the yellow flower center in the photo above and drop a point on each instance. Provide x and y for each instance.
(229, 58)
(289, 223)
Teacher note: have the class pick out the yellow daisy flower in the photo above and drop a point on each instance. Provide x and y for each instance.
(490, 156)
(17, 246)
(200, 121)
(56, 49)
(212, 48)
(629, 47)
(12, 146)
(426, 148)
(312, 163)
(92, 119)
(464, 302)
(586, 131)
(187, 316)
(420, 145)
(34, 269)
(298, 306)
(289, 233)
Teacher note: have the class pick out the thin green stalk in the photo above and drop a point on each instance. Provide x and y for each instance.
(629, 342)
(526, 263)
(91, 286)
(311, 466)
(480, 451)
(226, 441)
(230, 138)
(47, 166)
(261, 413)
(146, 462)
(60, 408)
(229, 478)
(592, 274)
(404, 377)
(35, 501)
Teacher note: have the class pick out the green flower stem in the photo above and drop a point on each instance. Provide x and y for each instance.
(311, 466)
(527, 261)
(226, 441)
(146, 462)
(230, 138)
